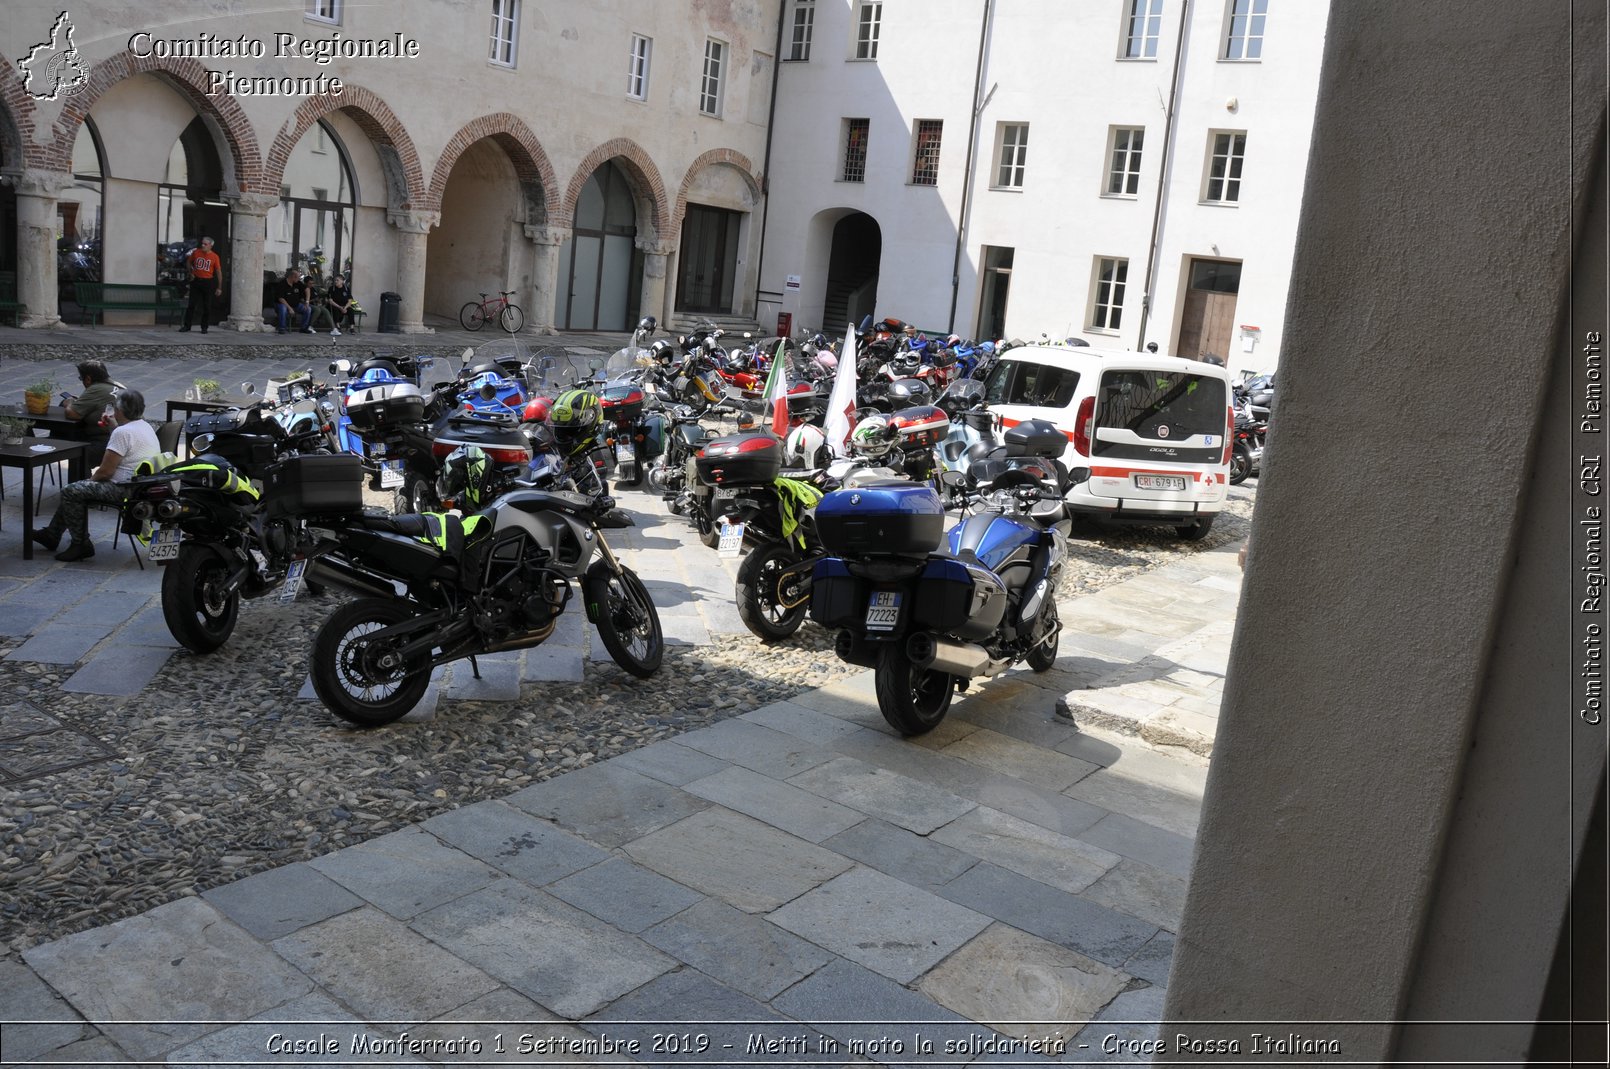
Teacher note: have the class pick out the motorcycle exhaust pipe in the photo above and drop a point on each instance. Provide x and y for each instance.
(332, 571)
(847, 649)
(941, 655)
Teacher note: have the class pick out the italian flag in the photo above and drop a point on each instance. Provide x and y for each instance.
(777, 392)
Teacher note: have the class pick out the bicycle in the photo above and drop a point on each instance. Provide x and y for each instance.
(474, 315)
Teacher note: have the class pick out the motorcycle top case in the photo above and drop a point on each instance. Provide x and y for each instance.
(892, 520)
(1034, 438)
(920, 425)
(382, 407)
(622, 404)
(315, 483)
(741, 460)
(904, 393)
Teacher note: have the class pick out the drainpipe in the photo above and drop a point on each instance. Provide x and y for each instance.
(967, 180)
(765, 166)
(1162, 176)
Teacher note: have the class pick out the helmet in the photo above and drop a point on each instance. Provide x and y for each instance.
(575, 417)
(804, 446)
(873, 436)
(466, 479)
(536, 410)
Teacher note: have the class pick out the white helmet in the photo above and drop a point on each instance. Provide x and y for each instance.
(804, 446)
(872, 437)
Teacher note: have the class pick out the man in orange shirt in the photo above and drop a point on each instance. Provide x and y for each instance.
(206, 282)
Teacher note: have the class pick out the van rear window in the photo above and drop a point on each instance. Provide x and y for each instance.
(1023, 382)
(1163, 407)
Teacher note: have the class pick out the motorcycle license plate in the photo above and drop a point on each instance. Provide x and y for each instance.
(293, 580)
(390, 477)
(732, 540)
(164, 544)
(625, 453)
(883, 610)
(1160, 482)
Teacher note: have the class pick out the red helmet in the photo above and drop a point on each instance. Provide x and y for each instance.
(536, 411)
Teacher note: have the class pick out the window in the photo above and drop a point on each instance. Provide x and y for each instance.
(855, 134)
(1245, 39)
(868, 19)
(637, 69)
(1224, 168)
(799, 46)
(1107, 305)
(505, 32)
(324, 10)
(1123, 179)
(710, 89)
(1024, 382)
(925, 167)
(1140, 38)
(1014, 151)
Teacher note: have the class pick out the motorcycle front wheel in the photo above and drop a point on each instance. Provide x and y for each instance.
(1042, 657)
(759, 599)
(198, 611)
(363, 682)
(913, 700)
(628, 623)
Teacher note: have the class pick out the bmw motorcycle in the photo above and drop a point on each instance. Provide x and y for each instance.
(930, 621)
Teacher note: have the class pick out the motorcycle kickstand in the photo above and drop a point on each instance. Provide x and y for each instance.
(474, 667)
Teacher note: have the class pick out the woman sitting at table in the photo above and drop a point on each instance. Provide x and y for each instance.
(132, 440)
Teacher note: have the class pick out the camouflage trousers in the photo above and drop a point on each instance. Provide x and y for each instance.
(72, 515)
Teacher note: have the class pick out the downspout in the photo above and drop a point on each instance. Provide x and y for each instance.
(765, 166)
(967, 179)
(1162, 176)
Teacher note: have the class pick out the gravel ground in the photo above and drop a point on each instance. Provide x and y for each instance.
(202, 791)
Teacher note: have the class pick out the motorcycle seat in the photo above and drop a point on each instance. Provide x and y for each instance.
(408, 524)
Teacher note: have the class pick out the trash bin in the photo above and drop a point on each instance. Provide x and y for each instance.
(390, 313)
(785, 324)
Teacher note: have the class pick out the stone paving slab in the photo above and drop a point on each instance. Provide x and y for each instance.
(743, 951)
(1021, 760)
(1141, 891)
(849, 1002)
(915, 859)
(760, 749)
(406, 872)
(1052, 914)
(119, 670)
(281, 901)
(499, 682)
(514, 841)
(1029, 849)
(1137, 839)
(28, 998)
(779, 804)
(625, 895)
(897, 799)
(1174, 810)
(58, 645)
(607, 805)
(671, 762)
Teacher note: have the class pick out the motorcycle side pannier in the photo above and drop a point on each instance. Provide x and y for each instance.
(881, 521)
(315, 483)
(741, 460)
(958, 598)
(246, 451)
(381, 408)
(838, 599)
(1034, 438)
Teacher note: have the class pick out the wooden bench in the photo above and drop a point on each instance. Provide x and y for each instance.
(101, 297)
(9, 305)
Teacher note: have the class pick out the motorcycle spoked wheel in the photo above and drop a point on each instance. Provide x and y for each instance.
(760, 602)
(626, 619)
(355, 678)
(198, 613)
(913, 700)
(415, 495)
(1240, 465)
(1042, 657)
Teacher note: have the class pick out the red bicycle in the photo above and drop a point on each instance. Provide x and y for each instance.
(476, 314)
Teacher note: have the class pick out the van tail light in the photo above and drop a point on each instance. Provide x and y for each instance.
(1082, 429)
(1229, 435)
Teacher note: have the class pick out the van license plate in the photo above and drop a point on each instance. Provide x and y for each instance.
(164, 544)
(883, 610)
(1160, 482)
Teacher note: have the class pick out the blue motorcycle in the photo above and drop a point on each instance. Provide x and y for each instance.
(930, 620)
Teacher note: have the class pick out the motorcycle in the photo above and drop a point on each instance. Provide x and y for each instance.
(929, 621)
(494, 580)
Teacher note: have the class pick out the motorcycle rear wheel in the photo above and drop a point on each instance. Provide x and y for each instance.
(347, 675)
(913, 700)
(759, 606)
(197, 612)
(1240, 465)
(628, 623)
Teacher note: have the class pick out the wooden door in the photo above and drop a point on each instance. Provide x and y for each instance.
(1207, 318)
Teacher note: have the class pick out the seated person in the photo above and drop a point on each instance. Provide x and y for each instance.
(89, 407)
(294, 295)
(133, 440)
(338, 304)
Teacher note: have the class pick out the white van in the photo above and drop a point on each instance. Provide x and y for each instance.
(1155, 431)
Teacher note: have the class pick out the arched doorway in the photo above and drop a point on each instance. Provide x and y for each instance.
(720, 198)
(600, 268)
(476, 247)
(852, 270)
(311, 229)
(190, 206)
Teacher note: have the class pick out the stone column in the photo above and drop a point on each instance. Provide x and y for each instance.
(539, 317)
(37, 191)
(656, 260)
(248, 231)
(413, 235)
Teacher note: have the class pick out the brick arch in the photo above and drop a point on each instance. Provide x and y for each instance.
(714, 157)
(16, 121)
(640, 172)
(189, 78)
(536, 174)
(399, 160)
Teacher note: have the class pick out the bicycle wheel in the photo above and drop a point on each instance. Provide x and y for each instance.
(472, 316)
(511, 318)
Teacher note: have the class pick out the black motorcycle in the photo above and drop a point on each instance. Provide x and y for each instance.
(673, 474)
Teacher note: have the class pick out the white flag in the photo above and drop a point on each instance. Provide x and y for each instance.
(841, 402)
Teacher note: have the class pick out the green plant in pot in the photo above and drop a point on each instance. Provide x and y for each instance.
(208, 390)
(12, 429)
(38, 395)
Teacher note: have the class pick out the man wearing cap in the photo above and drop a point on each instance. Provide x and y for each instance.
(206, 282)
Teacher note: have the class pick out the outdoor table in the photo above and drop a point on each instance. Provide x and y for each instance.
(190, 407)
(55, 420)
(36, 454)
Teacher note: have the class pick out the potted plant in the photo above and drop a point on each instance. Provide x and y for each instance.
(208, 390)
(12, 429)
(38, 395)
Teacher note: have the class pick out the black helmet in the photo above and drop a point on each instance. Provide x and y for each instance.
(467, 479)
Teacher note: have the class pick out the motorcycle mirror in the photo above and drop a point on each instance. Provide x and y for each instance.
(340, 367)
(249, 389)
(488, 391)
(465, 355)
(953, 479)
(1078, 475)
